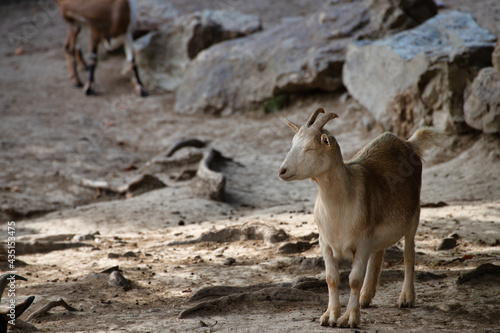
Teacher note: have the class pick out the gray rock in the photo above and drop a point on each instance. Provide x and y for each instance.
(163, 54)
(309, 264)
(482, 106)
(300, 54)
(447, 243)
(418, 77)
(117, 279)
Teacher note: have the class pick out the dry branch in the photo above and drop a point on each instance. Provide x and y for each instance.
(52, 304)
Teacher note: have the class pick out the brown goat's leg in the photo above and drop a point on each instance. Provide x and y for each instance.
(371, 279)
(332, 313)
(407, 297)
(95, 39)
(70, 48)
(129, 51)
(82, 65)
(352, 315)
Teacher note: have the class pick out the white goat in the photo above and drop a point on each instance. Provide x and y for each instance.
(107, 19)
(363, 206)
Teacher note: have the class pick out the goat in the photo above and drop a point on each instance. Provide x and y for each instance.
(363, 206)
(107, 19)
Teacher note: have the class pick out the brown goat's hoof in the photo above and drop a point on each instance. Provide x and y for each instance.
(141, 92)
(89, 91)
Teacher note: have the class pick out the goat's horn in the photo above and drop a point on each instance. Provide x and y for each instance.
(4, 281)
(323, 120)
(313, 117)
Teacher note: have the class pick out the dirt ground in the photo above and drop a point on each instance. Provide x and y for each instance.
(53, 137)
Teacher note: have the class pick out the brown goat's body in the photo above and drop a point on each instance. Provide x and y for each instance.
(106, 19)
(110, 17)
(363, 206)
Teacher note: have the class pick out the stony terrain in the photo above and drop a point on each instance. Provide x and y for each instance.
(170, 241)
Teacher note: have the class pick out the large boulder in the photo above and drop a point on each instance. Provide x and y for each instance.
(418, 77)
(300, 54)
(482, 106)
(164, 53)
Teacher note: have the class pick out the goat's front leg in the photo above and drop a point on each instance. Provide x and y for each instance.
(129, 51)
(352, 316)
(332, 279)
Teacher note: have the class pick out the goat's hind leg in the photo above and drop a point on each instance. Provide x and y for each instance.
(95, 39)
(407, 297)
(332, 313)
(371, 279)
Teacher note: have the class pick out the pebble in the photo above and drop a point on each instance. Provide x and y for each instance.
(446, 244)
(229, 261)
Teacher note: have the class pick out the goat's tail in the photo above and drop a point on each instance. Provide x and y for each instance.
(426, 138)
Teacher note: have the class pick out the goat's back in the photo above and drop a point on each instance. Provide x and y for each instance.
(110, 17)
(391, 172)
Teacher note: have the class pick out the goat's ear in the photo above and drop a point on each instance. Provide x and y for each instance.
(293, 126)
(325, 139)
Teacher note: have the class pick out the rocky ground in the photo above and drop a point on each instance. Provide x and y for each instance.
(172, 242)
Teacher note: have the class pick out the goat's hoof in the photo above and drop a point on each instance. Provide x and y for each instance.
(343, 321)
(77, 84)
(88, 90)
(141, 92)
(406, 300)
(327, 320)
(365, 302)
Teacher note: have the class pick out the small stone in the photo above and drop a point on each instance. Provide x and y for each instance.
(113, 255)
(446, 244)
(443, 307)
(229, 261)
(130, 254)
(454, 235)
(117, 279)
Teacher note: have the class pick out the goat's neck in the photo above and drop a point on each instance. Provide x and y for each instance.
(335, 185)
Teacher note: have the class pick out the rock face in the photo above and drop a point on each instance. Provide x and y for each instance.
(482, 106)
(164, 53)
(418, 77)
(495, 58)
(300, 54)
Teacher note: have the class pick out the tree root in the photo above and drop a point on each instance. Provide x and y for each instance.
(479, 272)
(36, 246)
(248, 231)
(229, 302)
